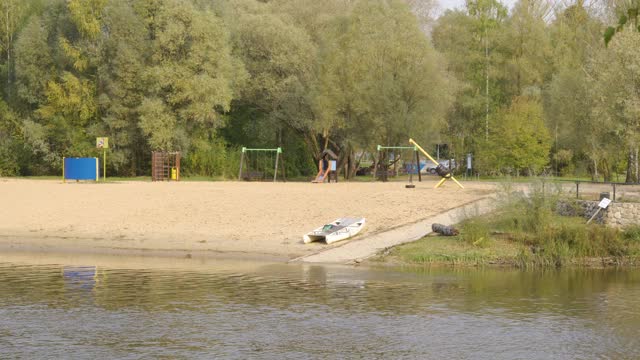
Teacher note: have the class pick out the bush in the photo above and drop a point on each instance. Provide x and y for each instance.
(475, 232)
(211, 158)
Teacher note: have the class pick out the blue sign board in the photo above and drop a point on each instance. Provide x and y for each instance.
(81, 169)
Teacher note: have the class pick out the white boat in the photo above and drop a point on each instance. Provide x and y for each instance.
(339, 229)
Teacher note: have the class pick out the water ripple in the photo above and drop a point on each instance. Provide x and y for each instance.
(298, 311)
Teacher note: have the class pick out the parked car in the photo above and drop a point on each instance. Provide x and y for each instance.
(430, 167)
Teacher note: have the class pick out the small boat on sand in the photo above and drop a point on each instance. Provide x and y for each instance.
(340, 229)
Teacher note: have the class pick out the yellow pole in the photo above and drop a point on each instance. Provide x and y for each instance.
(422, 150)
(440, 183)
(454, 179)
(104, 165)
(411, 141)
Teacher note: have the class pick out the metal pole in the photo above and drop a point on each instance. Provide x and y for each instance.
(577, 190)
(614, 191)
(241, 161)
(275, 173)
(418, 162)
(104, 171)
(435, 162)
(594, 215)
(376, 174)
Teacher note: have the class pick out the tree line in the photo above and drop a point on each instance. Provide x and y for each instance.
(528, 90)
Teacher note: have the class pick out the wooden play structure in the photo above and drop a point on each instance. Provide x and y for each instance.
(165, 166)
(440, 170)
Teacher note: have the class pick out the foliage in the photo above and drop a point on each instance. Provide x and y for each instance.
(519, 141)
(525, 231)
(515, 87)
(629, 11)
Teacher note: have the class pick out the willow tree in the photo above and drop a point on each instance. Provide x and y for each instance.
(617, 94)
(520, 141)
(191, 75)
(488, 15)
(575, 40)
(380, 73)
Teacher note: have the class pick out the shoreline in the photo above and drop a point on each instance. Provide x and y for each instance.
(207, 219)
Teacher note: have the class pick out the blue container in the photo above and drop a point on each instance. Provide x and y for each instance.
(81, 169)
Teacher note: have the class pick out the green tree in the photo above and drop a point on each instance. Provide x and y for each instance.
(617, 94)
(191, 76)
(470, 43)
(520, 142)
(380, 74)
(629, 12)
(122, 86)
(488, 16)
(575, 39)
(527, 46)
(12, 15)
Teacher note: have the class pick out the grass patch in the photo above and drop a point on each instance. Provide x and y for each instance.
(453, 251)
(526, 232)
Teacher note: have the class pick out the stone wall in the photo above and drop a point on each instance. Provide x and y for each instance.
(617, 214)
(623, 214)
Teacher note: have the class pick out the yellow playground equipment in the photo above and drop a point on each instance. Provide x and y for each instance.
(446, 174)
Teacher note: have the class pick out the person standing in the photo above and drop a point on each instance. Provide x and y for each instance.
(323, 169)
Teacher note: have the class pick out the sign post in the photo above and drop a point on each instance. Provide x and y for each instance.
(604, 203)
(103, 143)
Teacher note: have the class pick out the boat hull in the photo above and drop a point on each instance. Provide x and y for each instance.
(340, 229)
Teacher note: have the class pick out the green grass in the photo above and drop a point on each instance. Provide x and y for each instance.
(453, 251)
(524, 232)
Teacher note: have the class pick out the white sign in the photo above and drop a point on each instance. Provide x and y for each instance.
(604, 203)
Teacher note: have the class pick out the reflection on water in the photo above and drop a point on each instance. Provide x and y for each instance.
(299, 311)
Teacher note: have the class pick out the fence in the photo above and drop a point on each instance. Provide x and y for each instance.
(590, 190)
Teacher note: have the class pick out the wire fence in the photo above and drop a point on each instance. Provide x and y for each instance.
(589, 190)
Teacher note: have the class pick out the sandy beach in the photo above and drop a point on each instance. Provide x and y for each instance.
(245, 219)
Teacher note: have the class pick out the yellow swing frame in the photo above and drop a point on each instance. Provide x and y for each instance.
(449, 176)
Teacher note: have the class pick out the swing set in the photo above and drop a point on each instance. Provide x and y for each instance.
(444, 173)
(260, 164)
(392, 162)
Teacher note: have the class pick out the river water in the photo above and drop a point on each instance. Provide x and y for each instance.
(280, 311)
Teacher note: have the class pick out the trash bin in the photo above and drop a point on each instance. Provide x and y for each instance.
(605, 195)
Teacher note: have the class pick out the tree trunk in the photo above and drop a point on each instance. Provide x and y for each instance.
(8, 52)
(630, 162)
(486, 55)
(606, 172)
(376, 163)
(635, 163)
(358, 160)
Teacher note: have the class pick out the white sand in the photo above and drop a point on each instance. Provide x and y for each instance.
(206, 217)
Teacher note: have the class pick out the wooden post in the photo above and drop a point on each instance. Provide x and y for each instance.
(178, 167)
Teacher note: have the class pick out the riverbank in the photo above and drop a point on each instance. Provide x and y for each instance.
(524, 231)
(220, 219)
(439, 251)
